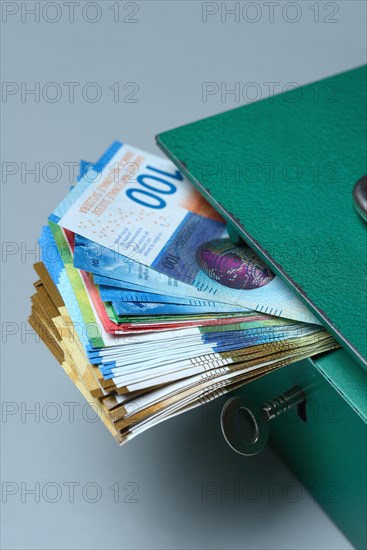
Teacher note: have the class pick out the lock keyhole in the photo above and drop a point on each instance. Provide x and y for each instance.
(302, 411)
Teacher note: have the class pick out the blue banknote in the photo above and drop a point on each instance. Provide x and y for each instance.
(116, 294)
(153, 308)
(163, 235)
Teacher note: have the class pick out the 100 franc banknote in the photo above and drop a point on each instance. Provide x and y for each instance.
(142, 209)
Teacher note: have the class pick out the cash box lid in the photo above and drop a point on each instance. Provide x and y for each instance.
(281, 171)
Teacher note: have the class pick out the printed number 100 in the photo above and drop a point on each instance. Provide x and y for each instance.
(149, 193)
(170, 261)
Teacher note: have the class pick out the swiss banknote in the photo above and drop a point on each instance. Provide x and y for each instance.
(157, 228)
(148, 306)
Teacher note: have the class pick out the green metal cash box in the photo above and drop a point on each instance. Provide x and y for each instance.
(281, 171)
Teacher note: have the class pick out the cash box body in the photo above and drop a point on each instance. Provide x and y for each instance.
(281, 171)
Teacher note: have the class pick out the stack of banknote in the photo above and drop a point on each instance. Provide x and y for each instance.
(146, 303)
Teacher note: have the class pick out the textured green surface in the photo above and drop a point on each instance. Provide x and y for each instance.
(282, 171)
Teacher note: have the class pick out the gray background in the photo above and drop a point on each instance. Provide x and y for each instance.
(181, 472)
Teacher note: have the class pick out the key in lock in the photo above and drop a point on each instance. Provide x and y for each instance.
(245, 423)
